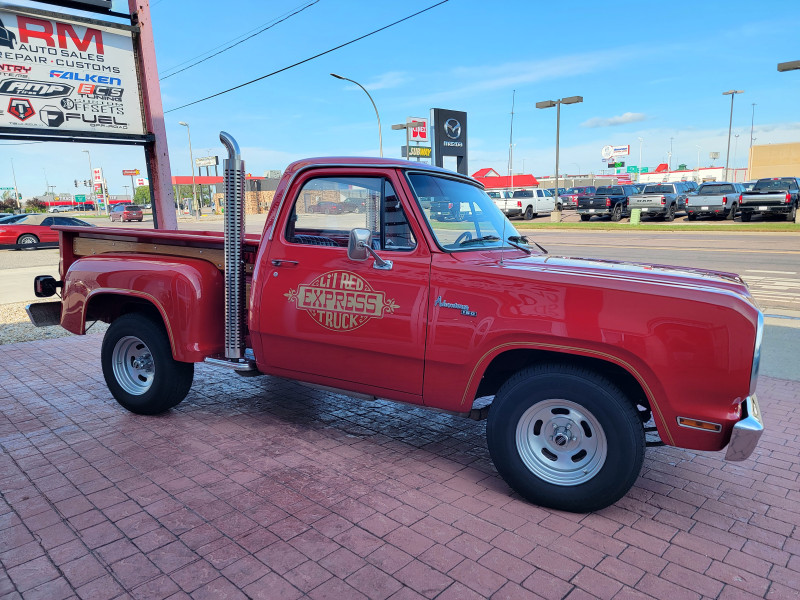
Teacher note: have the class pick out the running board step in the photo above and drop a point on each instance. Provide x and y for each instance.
(237, 364)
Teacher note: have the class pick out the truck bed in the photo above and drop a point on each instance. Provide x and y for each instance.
(206, 245)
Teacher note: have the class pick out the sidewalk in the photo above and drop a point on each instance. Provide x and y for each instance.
(262, 488)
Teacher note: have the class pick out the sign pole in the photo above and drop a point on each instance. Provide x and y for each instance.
(156, 152)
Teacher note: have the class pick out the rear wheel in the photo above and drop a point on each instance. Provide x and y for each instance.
(565, 437)
(529, 213)
(691, 217)
(138, 366)
(792, 215)
(670, 216)
(732, 212)
(616, 214)
(746, 216)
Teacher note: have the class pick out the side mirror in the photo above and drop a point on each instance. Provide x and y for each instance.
(358, 243)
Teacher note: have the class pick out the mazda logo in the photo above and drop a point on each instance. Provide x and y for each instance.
(452, 128)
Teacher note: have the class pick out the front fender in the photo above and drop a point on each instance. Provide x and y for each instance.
(188, 294)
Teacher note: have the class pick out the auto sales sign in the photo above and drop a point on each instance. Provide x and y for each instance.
(64, 75)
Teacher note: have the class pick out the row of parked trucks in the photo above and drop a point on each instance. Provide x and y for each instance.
(770, 197)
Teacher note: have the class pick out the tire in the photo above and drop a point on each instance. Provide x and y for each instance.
(27, 239)
(565, 471)
(670, 216)
(792, 214)
(732, 213)
(691, 217)
(529, 214)
(585, 217)
(616, 214)
(158, 382)
(746, 216)
(559, 208)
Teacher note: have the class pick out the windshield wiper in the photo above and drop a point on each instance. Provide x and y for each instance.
(485, 238)
(516, 240)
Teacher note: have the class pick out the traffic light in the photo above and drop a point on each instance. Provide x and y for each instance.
(76, 183)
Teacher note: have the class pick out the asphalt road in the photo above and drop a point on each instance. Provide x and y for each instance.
(769, 263)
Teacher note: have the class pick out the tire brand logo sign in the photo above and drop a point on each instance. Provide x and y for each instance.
(341, 301)
(34, 89)
(51, 116)
(21, 108)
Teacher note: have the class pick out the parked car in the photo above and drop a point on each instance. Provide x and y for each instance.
(717, 199)
(356, 205)
(35, 228)
(661, 200)
(84, 207)
(126, 212)
(748, 185)
(326, 207)
(443, 209)
(608, 200)
(10, 218)
(60, 208)
(773, 196)
(569, 199)
(503, 199)
(534, 201)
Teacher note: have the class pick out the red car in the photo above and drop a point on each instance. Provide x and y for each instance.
(32, 229)
(126, 212)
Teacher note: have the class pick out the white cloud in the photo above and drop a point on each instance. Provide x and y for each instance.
(385, 81)
(628, 117)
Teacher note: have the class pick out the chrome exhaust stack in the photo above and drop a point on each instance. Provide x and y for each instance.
(233, 172)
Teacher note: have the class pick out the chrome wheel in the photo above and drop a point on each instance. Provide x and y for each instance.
(133, 365)
(561, 442)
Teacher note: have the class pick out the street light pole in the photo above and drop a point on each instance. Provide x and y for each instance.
(793, 65)
(380, 135)
(639, 174)
(557, 104)
(195, 208)
(91, 182)
(698, 160)
(732, 94)
(16, 192)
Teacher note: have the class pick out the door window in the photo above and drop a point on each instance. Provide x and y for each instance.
(327, 208)
(47, 222)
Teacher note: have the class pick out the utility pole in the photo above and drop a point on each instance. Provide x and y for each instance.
(732, 94)
(16, 192)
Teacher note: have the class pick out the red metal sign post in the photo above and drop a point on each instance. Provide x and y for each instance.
(156, 152)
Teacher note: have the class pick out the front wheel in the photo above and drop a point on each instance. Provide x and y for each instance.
(585, 217)
(27, 239)
(565, 437)
(138, 366)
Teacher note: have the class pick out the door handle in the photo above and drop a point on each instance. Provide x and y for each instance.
(280, 262)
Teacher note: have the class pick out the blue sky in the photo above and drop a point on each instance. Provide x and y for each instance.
(645, 70)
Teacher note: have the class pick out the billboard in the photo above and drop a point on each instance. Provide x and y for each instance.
(450, 137)
(418, 134)
(67, 75)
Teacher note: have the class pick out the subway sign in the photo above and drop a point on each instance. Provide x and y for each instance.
(417, 151)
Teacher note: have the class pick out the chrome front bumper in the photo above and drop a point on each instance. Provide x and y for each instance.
(746, 432)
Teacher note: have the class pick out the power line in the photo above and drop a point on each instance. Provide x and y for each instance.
(233, 45)
(241, 85)
(21, 143)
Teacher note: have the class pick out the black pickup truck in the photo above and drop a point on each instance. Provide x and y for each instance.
(771, 196)
(611, 200)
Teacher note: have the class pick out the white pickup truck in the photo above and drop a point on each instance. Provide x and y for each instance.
(532, 201)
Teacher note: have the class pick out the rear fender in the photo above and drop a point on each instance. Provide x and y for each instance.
(187, 293)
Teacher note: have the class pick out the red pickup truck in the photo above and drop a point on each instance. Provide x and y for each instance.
(576, 355)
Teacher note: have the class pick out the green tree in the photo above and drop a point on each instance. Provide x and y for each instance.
(35, 205)
(142, 195)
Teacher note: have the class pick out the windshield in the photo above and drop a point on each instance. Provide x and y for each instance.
(658, 189)
(771, 184)
(609, 191)
(461, 216)
(711, 190)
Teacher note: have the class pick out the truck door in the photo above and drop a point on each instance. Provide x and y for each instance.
(335, 319)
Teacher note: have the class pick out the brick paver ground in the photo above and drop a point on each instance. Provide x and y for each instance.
(262, 488)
